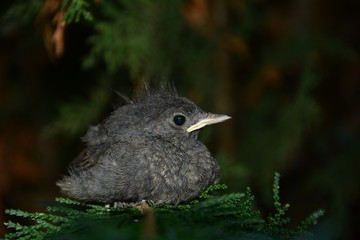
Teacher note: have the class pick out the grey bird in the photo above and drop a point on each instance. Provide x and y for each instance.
(145, 150)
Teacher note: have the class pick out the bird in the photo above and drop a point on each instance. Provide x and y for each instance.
(147, 149)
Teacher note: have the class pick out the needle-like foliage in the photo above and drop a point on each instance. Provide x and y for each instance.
(213, 215)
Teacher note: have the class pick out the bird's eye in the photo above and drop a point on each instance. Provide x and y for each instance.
(179, 120)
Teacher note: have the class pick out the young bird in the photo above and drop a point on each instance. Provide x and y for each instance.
(145, 150)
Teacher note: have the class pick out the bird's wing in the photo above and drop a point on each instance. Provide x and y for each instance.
(92, 155)
(95, 140)
(83, 161)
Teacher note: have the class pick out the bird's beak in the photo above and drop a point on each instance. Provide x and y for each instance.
(208, 120)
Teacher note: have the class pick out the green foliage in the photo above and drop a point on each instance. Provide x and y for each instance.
(77, 10)
(279, 128)
(211, 215)
(278, 219)
(208, 193)
(44, 223)
(140, 35)
(76, 116)
(23, 12)
(120, 42)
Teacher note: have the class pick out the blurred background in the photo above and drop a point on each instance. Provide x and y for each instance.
(288, 72)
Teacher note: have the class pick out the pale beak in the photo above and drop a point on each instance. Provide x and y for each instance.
(208, 120)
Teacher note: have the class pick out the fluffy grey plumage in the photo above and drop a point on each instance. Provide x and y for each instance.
(145, 150)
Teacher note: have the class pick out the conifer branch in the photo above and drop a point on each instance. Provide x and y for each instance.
(226, 215)
(76, 11)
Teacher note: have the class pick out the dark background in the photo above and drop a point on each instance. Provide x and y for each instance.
(288, 72)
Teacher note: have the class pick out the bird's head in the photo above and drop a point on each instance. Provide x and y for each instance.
(176, 116)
